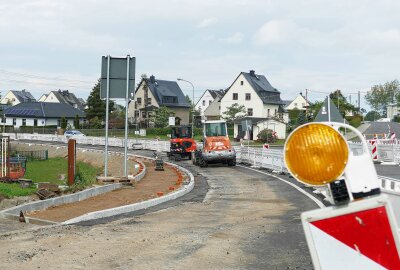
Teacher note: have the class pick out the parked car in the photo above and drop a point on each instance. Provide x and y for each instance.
(73, 134)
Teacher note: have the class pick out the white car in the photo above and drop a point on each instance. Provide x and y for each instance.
(73, 134)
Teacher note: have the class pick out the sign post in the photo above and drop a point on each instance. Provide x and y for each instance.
(117, 83)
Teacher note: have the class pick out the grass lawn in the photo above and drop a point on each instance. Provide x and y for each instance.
(50, 171)
(12, 190)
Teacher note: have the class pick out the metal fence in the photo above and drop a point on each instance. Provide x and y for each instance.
(32, 155)
(258, 157)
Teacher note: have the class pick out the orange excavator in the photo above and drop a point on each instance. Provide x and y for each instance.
(216, 147)
(182, 143)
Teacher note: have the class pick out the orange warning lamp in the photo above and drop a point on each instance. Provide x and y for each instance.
(316, 154)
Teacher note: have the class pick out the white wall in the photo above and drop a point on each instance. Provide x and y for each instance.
(206, 99)
(52, 98)
(278, 127)
(30, 122)
(10, 97)
(298, 103)
(255, 102)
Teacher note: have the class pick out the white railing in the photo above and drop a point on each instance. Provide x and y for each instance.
(258, 157)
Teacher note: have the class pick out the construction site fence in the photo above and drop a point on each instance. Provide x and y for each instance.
(385, 151)
(271, 159)
(32, 155)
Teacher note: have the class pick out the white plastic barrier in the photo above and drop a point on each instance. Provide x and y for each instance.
(263, 158)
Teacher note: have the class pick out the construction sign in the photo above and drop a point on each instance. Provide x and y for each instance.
(361, 235)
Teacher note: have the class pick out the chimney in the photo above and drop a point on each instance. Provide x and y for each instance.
(65, 92)
(152, 79)
(252, 73)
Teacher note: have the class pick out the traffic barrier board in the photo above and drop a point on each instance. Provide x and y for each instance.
(361, 235)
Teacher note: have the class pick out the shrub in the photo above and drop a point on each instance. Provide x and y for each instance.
(267, 136)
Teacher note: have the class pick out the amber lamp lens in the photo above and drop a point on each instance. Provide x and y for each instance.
(316, 154)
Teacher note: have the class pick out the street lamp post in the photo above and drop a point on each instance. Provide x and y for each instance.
(180, 79)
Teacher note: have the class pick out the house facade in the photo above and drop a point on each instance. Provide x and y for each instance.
(213, 111)
(151, 94)
(63, 96)
(41, 114)
(256, 125)
(299, 103)
(207, 98)
(257, 95)
(14, 97)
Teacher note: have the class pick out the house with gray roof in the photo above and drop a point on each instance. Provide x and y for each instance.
(64, 96)
(208, 97)
(14, 97)
(153, 93)
(41, 114)
(257, 95)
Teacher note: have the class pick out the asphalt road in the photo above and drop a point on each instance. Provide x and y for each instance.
(235, 218)
(383, 128)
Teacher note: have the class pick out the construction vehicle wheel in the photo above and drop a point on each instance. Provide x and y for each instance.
(200, 160)
(232, 162)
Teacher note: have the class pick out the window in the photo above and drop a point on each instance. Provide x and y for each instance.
(169, 99)
(248, 96)
(23, 122)
(235, 96)
(137, 114)
(204, 103)
(14, 121)
(139, 100)
(35, 122)
(215, 129)
(149, 101)
(3, 119)
(295, 105)
(209, 102)
(268, 112)
(13, 99)
(241, 82)
(58, 123)
(249, 112)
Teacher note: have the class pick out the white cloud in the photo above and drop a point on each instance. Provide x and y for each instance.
(235, 38)
(206, 22)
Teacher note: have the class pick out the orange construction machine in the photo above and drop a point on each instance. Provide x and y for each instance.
(216, 147)
(182, 143)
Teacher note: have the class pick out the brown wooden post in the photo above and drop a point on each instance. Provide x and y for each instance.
(71, 161)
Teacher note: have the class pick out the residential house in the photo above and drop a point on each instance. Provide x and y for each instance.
(207, 98)
(63, 96)
(392, 110)
(41, 114)
(213, 111)
(255, 125)
(299, 103)
(42, 98)
(261, 100)
(14, 97)
(153, 93)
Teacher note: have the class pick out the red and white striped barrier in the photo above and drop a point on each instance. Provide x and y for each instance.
(374, 152)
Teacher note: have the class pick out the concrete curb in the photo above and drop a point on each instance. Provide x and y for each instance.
(78, 196)
(136, 206)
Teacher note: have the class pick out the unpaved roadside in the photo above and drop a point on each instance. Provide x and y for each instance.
(247, 221)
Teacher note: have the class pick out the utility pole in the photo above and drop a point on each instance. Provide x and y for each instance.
(307, 104)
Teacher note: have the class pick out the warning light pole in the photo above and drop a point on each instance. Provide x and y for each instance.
(360, 230)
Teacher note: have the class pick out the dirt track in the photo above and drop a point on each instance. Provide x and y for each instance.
(153, 182)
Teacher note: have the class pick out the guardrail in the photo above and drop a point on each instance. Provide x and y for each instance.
(258, 157)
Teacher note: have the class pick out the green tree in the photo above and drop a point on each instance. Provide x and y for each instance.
(63, 123)
(96, 106)
(314, 108)
(76, 121)
(160, 116)
(372, 116)
(234, 112)
(381, 95)
(301, 118)
(341, 102)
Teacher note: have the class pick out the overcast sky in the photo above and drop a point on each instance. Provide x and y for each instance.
(320, 45)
